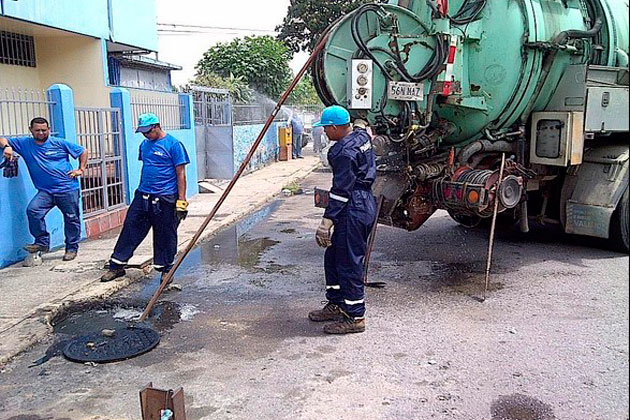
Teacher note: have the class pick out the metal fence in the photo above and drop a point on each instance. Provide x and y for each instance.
(18, 107)
(166, 106)
(103, 183)
(212, 106)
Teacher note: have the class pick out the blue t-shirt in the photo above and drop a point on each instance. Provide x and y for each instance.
(49, 163)
(159, 160)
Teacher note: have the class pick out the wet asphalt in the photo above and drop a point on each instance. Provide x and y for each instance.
(550, 342)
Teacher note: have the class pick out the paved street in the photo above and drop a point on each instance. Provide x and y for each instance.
(551, 341)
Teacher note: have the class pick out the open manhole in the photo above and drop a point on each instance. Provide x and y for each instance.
(122, 345)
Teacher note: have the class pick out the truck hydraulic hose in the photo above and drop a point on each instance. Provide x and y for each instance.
(561, 39)
(483, 146)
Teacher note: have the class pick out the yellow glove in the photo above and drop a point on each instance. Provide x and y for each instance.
(323, 235)
(181, 210)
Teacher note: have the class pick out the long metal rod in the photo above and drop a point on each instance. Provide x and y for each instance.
(238, 174)
(372, 238)
(493, 227)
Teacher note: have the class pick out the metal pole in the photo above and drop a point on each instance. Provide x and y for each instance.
(238, 174)
(370, 247)
(493, 227)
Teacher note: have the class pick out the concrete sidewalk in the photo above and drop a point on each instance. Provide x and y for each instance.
(31, 297)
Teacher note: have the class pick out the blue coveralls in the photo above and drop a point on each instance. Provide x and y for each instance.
(352, 208)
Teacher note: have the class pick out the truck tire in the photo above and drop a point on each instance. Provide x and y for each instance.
(619, 225)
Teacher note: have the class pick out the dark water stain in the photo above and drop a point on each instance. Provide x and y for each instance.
(289, 231)
(465, 278)
(55, 349)
(520, 407)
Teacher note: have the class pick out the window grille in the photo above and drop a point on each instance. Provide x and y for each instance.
(17, 49)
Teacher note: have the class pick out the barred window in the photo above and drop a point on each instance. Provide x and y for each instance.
(17, 49)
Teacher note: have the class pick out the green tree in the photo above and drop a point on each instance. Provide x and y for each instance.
(306, 20)
(261, 62)
(239, 90)
(304, 93)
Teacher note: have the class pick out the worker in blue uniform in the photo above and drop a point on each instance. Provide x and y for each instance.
(351, 211)
(48, 160)
(159, 203)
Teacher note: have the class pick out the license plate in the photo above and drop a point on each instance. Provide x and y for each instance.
(405, 91)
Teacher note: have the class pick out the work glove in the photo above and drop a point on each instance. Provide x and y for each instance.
(181, 210)
(323, 235)
(10, 167)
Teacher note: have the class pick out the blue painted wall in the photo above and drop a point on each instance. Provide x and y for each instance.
(80, 16)
(16, 193)
(244, 137)
(133, 22)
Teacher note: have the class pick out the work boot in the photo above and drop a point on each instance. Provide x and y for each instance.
(330, 312)
(347, 326)
(33, 248)
(69, 256)
(113, 275)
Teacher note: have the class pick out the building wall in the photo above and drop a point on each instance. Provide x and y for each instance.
(80, 16)
(76, 61)
(19, 77)
(245, 136)
(133, 22)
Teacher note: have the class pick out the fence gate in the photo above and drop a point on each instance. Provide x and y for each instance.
(103, 183)
(213, 131)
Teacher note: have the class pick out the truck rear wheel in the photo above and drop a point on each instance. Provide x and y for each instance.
(619, 226)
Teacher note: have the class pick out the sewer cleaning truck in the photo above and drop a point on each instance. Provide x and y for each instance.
(453, 90)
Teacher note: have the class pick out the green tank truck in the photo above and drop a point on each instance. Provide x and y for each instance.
(449, 86)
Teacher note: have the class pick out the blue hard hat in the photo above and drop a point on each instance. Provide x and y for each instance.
(334, 115)
(146, 122)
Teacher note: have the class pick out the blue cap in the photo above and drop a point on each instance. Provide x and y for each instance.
(334, 115)
(146, 122)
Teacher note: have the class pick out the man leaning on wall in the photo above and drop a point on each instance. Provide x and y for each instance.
(48, 161)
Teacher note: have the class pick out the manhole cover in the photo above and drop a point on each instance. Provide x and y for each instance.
(125, 344)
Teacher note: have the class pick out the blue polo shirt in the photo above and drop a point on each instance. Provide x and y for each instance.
(159, 160)
(49, 163)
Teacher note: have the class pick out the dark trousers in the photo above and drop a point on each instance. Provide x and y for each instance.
(343, 261)
(297, 146)
(146, 212)
(40, 206)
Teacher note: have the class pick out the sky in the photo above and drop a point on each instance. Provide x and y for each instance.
(203, 23)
